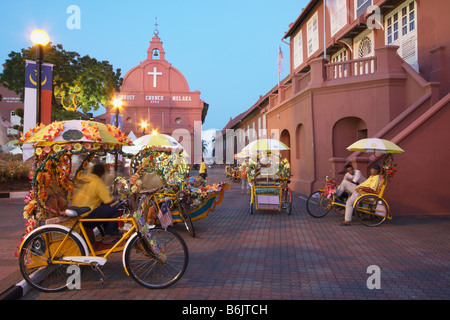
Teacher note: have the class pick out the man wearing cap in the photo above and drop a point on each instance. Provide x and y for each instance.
(372, 183)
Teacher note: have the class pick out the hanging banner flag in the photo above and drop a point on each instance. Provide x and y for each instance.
(280, 63)
(30, 95)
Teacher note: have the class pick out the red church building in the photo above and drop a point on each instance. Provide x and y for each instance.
(363, 68)
(156, 93)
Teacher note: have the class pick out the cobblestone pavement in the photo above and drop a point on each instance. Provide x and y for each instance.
(271, 256)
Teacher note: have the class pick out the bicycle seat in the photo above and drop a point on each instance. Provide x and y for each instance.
(76, 211)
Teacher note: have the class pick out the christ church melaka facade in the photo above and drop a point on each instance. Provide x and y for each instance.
(157, 93)
(385, 73)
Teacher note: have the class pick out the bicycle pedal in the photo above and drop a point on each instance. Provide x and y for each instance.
(96, 267)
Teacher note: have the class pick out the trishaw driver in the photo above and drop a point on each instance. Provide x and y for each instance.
(92, 192)
(371, 183)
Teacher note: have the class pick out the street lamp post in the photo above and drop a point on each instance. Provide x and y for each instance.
(143, 126)
(40, 39)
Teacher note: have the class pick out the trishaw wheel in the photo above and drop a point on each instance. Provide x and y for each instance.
(317, 205)
(35, 258)
(187, 219)
(149, 271)
(229, 172)
(371, 210)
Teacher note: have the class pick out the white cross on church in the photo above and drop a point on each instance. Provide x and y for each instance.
(154, 74)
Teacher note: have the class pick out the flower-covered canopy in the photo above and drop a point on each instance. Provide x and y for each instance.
(61, 132)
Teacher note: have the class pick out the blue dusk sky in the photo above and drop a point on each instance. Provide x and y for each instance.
(227, 50)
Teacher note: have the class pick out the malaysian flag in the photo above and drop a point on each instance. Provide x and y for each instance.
(164, 215)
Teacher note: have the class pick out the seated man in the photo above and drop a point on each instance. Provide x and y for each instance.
(372, 182)
(92, 192)
(351, 179)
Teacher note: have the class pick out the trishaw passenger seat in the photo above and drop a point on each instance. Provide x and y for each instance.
(377, 190)
(76, 211)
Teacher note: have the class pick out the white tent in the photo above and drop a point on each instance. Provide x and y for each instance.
(132, 136)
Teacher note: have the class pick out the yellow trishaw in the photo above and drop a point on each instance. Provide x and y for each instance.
(269, 186)
(56, 238)
(370, 207)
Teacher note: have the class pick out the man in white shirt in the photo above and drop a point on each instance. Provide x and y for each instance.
(351, 179)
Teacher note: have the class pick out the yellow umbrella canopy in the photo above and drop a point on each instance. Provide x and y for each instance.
(158, 139)
(61, 132)
(375, 145)
(265, 145)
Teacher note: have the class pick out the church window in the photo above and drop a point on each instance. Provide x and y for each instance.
(178, 120)
(338, 14)
(312, 34)
(361, 6)
(298, 49)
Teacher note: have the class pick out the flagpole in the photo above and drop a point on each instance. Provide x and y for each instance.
(324, 29)
(279, 62)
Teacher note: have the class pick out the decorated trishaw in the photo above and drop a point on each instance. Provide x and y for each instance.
(56, 237)
(370, 207)
(268, 176)
(160, 181)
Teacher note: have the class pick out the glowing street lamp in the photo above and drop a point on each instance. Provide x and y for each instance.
(117, 104)
(144, 125)
(40, 39)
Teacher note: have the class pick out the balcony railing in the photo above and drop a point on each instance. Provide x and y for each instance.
(350, 68)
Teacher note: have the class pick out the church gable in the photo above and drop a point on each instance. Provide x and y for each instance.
(158, 94)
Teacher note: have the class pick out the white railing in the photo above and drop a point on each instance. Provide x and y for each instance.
(351, 68)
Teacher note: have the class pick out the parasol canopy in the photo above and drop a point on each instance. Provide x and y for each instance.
(265, 145)
(157, 139)
(60, 132)
(375, 145)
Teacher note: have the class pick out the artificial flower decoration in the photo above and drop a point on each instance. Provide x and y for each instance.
(54, 129)
(90, 131)
(118, 134)
(57, 148)
(77, 146)
(389, 168)
(30, 132)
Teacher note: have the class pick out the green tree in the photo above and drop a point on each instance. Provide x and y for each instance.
(78, 82)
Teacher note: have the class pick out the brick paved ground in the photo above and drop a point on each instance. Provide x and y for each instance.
(270, 255)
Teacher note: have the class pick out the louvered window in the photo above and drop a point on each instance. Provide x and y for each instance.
(401, 30)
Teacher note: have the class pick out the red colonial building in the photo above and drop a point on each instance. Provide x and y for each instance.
(157, 93)
(384, 73)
